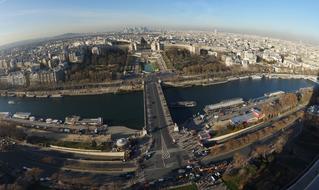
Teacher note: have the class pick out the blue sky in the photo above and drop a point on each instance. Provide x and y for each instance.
(25, 19)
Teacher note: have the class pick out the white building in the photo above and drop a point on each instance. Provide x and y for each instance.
(229, 61)
(250, 57)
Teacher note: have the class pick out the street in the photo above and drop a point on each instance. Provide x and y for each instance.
(167, 155)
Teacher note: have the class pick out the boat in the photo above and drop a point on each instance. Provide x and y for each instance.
(254, 77)
(271, 94)
(42, 96)
(183, 104)
(91, 121)
(56, 96)
(21, 115)
(244, 77)
(224, 104)
(5, 114)
(21, 95)
(11, 102)
(232, 78)
(30, 95)
(11, 95)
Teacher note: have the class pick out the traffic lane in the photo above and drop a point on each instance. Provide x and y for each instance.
(162, 120)
(156, 161)
(18, 159)
(61, 158)
(160, 117)
(314, 185)
(308, 178)
(163, 124)
(169, 142)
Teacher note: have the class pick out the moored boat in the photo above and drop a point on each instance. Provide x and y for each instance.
(185, 104)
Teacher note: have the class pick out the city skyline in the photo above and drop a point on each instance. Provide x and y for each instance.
(36, 19)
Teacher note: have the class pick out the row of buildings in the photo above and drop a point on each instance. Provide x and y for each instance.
(40, 63)
(23, 78)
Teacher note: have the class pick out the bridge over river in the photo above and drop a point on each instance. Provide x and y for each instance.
(166, 154)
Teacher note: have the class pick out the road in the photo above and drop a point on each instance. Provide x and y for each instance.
(31, 156)
(314, 185)
(166, 155)
(246, 149)
(256, 127)
(65, 166)
(309, 181)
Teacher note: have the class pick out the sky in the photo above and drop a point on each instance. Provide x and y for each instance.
(28, 19)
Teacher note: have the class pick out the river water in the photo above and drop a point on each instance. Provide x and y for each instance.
(246, 89)
(127, 109)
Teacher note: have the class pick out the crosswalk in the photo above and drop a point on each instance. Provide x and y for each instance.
(165, 153)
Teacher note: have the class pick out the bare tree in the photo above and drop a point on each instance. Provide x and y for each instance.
(239, 160)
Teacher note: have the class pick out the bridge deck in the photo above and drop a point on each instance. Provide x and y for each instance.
(158, 121)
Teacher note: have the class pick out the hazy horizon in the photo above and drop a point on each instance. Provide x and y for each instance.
(293, 20)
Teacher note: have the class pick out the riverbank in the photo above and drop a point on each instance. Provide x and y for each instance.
(73, 92)
(187, 82)
(53, 131)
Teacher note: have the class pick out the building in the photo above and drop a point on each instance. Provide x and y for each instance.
(229, 61)
(54, 75)
(95, 51)
(16, 79)
(250, 117)
(203, 135)
(155, 46)
(250, 57)
(76, 57)
(4, 65)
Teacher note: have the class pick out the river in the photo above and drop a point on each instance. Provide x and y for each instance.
(246, 89)
(127, 109)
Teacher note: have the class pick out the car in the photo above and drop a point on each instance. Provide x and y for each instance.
(189, 167)
(26, 168)
(181, 171)
(149, 155)
(129, 176)
(152, 183)
(204, 153)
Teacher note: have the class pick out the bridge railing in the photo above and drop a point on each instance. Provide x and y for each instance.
(145, 108)
(164, 105)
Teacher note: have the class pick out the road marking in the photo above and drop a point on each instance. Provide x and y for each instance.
(165, 153)
(154, 91)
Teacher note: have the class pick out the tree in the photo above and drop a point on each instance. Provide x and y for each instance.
(94, 144)
(33, 174)
(239, 160)
(260, 150)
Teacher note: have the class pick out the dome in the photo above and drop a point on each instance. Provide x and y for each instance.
(121, 142)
